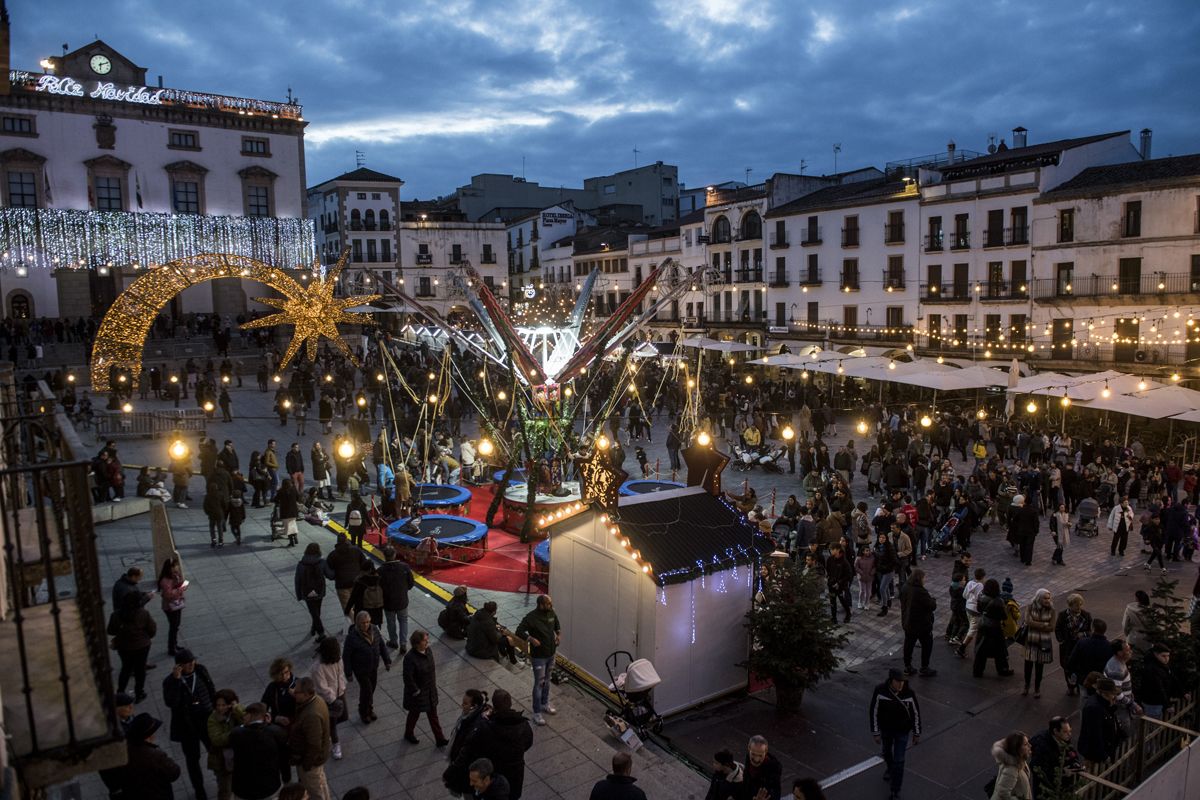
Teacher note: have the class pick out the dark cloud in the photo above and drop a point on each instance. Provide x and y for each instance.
(437, 90)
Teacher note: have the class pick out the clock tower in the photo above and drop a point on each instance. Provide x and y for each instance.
(99, 62)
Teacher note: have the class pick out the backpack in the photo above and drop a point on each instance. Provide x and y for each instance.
(373, 596)
(355, 517)
(1012, 619)
(862, 528)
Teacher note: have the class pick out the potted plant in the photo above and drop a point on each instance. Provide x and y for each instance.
(794, 641)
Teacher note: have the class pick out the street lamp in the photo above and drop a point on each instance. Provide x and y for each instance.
(208, 406)
(127, 407)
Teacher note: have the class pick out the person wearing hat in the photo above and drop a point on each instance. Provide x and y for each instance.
(895, 714)
(123, 702)
(149, 772)
(1023, 525)
(1099, 733)
(191, 695)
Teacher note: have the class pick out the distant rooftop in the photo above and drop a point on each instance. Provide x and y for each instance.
(1134, 173)
(1018, 158)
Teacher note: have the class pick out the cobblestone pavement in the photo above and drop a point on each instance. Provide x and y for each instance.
(241, 615)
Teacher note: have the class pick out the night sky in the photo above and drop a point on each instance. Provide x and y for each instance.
(434, 91)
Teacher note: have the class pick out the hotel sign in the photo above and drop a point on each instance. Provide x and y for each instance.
(142, 95)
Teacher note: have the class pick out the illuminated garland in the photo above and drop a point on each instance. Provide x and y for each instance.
(53, 238)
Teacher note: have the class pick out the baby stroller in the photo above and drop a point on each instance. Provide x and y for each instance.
(634, 688)
(1087, 521)
(944, 538)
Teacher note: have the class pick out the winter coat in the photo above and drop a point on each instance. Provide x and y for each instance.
(483, 636)
(830, 529)
(190, 701)
(344, 564)
(1012, 776)
(1157, 686)
(420, 681)
(310, 577)
(1134, 624)
(361, 655)
(328, 679)
(1091, 653)
(171, 590)
(1050, 765)
(148, 774)
(278, 699)
(367, 595)
(838, 573)
(287, 502)
(542, 625)
(308, 735)
(457, 780)
(132, 632)
(320, 464)
(216, 494)
(885, 558)
(617, 787)
(218, 736)
(1099, 734)
(864, 567)
(916, 609)
(294, 460)
(396, 579)
(894, 712)
(1039, 646)
(504, 738)
(260, 760)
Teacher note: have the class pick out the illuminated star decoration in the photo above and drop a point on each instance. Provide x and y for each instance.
(600, 481)
(314, 313)
(704, 467)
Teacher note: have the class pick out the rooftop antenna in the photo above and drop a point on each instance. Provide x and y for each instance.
(65, 48)
(522, 167)
(291, 98)
(837, 148)
(360, 159)
(803, 164)
(748, 171)
(635, 155)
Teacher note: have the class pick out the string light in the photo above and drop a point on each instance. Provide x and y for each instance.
(346, 449)
(486, 448)
(703, 439)
(1032, 407)
(178, 450)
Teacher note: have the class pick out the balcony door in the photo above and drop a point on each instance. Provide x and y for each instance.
(1126, 345)
(1129, 275)
(1064, 274)
(961, 281)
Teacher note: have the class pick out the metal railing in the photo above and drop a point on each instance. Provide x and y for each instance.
(893, 281)
(149, 424)
(779, 239)
(871, 333)
(809, 276)
(778, 278)
(945, 293)
(1016, 235)
(960, 240)
(893, 233)
(1004, 290)
(850, 237)
(849, 281)
(935, 243)
(54, 664)
(810, 235)
(993, 237)
(1153, 283)
(488, 258)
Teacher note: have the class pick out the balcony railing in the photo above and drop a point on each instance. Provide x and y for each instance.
(426, 292)
(1146, 285)
(810, 236)
(945, 293)
(872, 333)
(749, 275)
(810, 276)
(332, 227)
(1005, 290)
(960, 240)
(385, 226)
(893, 281)
(849, 282)
(424, 258)
(778, 278)
(993, 237)
(893, 233)
(457, 258)
(55, 674)
(934, 243)
(488, 257)
(357, 258)
(1016, 235)
(356, 225)
(850, 237)
(779, 240)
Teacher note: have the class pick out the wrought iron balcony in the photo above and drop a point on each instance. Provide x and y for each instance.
(810, 276)
(960, 240)
(778, 278)
(810, 236)
(893, 233)
(488, 257)
(1153, 284)
(945, 293)
(872, 333)
(850, 237)
(935, 243)
(893, 281)
(1005, 290)
(849, 281)
(779, 240)
(993, 237)
(1016, 235)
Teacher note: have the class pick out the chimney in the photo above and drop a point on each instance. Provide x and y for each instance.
(1144, 149)
(1019, 136)
(950, 148)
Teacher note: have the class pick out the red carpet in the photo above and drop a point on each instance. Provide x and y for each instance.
(504, 567)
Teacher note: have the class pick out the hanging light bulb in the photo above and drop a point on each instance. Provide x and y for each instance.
(941, 360)
(704, 440)
(127, 407)
(1106, 392)
(840, 368)
(788, 433)
(749, 379)
(926, 421)
(178, 449)
(1175, 377)
(981, 413)
(1032, 407)
(892, 364)
(346, 449)
(861, 427)
(1141, 385)
(208, 405)
(602, 442)
(804, 375)
(486, 448)
(1065, 402)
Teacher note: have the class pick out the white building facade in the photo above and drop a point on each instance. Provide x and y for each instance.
(103, 176)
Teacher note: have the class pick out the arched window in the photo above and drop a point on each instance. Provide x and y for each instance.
(720, 230)
(370, 219)
(751, 226)
(384, 221)
(355, 220)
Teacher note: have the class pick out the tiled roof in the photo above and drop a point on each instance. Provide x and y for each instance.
(845, 194)
(1016, 158)
(676, 529)
(365, 175)
(1158, 170)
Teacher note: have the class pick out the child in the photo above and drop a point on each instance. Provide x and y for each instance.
(864, 568)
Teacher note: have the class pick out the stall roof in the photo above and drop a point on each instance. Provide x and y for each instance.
(705, 343)
(686, 532)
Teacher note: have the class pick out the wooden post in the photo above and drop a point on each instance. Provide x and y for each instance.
(745, 487)
(774, 492)
(657, 471)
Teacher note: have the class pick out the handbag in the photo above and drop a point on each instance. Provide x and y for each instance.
(1022, 634)
(339, 711)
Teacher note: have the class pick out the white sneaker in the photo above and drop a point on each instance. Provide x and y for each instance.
(551, 710)
(538, 719)
(337, 751)
(181, 505)
(116, 499)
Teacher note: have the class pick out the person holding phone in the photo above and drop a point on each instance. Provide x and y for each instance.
(172, 587)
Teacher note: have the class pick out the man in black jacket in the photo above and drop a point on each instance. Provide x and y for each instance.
(894, 714)
(396, 579)
(1091, 653)
(1054, 761)
(619, 784)
(190, 694)
(504, 739)
(838, 574)
(916, 617)
(149, 772)
(1157, 686)
(762, 772)
(361, 654)
(343, 566)
(260, 756)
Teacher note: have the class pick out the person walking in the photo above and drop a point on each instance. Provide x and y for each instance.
(361, 654)
(420, 689)
(271, 461)
(1039, 645)
(474, 706)
(132, 630)
(367, 594)
(1120, 522)
(486, 783)
(261, 763)
(916, 616)
(504, 738)
(287, 510)
(1012, 768)
(762, 774)
(618, 785)
(356, 519)
(320, 471)
(343, 566)
(260, 479)
(172, 587)
(1072, 625)
(895, 715)
(294, 462)
(216, 503)
(1060, 530)
(308, 740)
(190, 694)
(542, 630)
(992, 613)
(148, 771)
(310, 586)
(329, 678)
(226, 716)
(396, 579)
(838, 575)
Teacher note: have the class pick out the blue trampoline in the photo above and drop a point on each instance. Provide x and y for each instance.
(541, 553)
(643, 486)
(442, 497)
(466, 537)
(518, 476)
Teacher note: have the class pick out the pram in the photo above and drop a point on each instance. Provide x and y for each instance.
(1087, 521)
(634, 687)
(944, 538)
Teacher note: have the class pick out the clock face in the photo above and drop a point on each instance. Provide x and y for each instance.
(101, 65)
